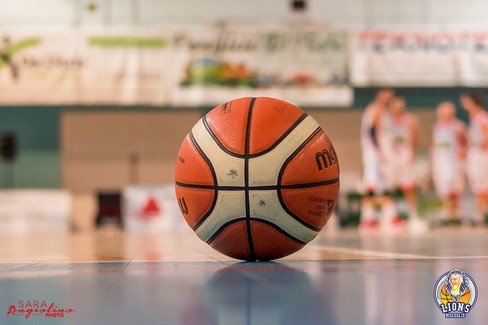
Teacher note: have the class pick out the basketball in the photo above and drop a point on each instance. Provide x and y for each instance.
(257, 178)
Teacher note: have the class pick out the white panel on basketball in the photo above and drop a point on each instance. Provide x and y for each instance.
(229, 169)
(230, 205)
(265, 205)
(263, 170)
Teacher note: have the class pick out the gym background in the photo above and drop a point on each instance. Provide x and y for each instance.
(88, 148)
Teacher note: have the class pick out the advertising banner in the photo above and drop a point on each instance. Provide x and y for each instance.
(187, 66)
(29, 211)
(305, 65)
(76, 68)
(419, 58)
(403, 58)
(473, 58)
(151, 208)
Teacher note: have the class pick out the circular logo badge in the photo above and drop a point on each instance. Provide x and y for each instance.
(455, 293)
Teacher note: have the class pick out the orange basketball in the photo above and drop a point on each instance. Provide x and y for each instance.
(257, 178)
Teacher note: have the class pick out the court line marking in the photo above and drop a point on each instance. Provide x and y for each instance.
(390, 255)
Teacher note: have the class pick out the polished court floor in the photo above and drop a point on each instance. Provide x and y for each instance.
(342, 277)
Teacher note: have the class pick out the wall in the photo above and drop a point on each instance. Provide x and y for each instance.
(37, 137)
(107, 150)
(348, 13)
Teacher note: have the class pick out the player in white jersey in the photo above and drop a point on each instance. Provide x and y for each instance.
(449, 140)
(477, 159)
(373, 182)
(399, 137)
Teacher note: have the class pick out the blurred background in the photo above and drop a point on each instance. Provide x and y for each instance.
(97, 96)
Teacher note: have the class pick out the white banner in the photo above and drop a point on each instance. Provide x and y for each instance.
(125, 69)
(76, 68)
(204, 65)
(209, 65)
(403, 58)
(473, 58)
(305, 65)
(151, 208)
(419, 58)
(29, 211)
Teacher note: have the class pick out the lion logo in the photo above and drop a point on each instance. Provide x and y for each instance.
(455, 293)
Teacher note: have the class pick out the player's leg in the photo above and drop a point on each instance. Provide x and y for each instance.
(407, 182)
(485, 208)
(368, 211)
(442, 191)
(481, 206)
(444, 178)
(390, 219)
(456, 187)
(480, 203)
(372, 185)
(476, 179)
(415, 223)
(389, 210)
(484, 187)
(410, 193)
(453, 207)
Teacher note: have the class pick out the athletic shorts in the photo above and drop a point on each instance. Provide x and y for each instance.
(448, 175)
(372, 176)
(399, 170)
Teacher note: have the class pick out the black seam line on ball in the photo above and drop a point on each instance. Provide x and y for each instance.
(282, 137)
(225, 225)
(282, 231)
(274, 145)
(259, 188)
(246, 178)
(217, 141)
(274, 226)
(280, 177)
(214, 176)
(297, 150)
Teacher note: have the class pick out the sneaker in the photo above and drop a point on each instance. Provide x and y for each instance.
(393, 226)
(418, 226)
(397, 222)
(369, 225)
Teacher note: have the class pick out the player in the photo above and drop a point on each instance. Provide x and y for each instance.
(399, 141)
(477, 157)
(449, 139)
(372, 178)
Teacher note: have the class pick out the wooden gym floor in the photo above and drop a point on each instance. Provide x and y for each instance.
(112, 277)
